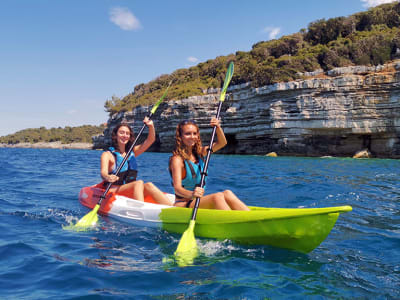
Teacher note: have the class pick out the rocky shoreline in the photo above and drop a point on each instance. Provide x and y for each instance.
(50, 145)
(89, 146)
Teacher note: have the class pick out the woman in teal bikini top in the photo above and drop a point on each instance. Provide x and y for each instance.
(192, 180)
(188, 153)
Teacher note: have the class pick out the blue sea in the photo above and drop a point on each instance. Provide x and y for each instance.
(40, 260)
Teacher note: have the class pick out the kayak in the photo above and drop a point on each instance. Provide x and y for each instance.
(299, 229)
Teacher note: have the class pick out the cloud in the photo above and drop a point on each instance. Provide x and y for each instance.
(272, 31)
(372, 3)
(72, 112)
(123, 18)
(192, 59)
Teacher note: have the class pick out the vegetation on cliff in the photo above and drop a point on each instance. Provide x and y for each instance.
(67, 135)
(366, 38)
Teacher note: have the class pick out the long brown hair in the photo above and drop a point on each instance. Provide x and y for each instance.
(114, 140)
(180, 149)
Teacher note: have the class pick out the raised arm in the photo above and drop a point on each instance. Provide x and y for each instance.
(151, 137)
(221, 139)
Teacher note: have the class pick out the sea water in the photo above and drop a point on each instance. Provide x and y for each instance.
(40, 260)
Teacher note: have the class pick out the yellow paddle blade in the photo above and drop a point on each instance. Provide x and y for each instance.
(187, 247)
(89, 220)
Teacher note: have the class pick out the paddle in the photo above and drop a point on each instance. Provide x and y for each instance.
(187, 247)
(91, 218)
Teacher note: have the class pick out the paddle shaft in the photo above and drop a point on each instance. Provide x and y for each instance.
(204, 172)
(102, 197)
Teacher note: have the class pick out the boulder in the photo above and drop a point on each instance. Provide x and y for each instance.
(362, 154)
(272, 154)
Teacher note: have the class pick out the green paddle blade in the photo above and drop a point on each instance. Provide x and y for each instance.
(187, 247)
(161, 99)
(228, 77)
(88, 221)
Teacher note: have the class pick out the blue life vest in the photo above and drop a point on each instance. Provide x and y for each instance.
(193, 174)
(128, 171)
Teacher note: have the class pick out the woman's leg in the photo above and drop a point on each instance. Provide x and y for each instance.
(156, 194)
(213, 201)
(136, 187)
(138, 190)
(233, 201)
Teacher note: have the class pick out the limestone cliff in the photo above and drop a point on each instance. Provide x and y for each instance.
(334, 113)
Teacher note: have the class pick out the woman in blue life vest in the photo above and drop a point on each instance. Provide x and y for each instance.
(186, 164)
(122, 138)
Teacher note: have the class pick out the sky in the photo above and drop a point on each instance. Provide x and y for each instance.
(60, 60)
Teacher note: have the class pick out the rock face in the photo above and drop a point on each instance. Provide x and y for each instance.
(334, 113)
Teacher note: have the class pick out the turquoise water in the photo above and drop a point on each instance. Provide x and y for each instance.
(39, 260)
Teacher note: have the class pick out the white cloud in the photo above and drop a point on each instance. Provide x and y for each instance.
(124, 18)
(192, 59)
(372, 3)
(72, 112)
(272, 31)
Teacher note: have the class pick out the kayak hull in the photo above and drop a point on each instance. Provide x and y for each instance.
(299, 229)
(298, 232)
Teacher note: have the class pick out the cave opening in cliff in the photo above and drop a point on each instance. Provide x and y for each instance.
(366, 140)
(156, 147)
(232, 143)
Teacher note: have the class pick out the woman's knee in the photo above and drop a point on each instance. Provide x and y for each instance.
(228, 193)
(149, 185)
(219, 197)
(139, 183)
(219, 201)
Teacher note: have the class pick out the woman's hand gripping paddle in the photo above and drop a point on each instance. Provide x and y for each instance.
(91, 218)
(187, 247)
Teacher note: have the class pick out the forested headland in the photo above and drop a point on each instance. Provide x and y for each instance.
(66, 135)
(371, 37)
